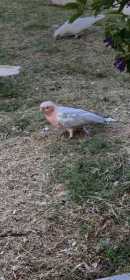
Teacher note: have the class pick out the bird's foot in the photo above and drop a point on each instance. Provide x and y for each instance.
(77, 36)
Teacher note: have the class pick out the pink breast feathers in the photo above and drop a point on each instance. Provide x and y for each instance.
(52, 118)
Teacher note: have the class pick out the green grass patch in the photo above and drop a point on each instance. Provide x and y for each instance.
(116, 256)
(94, 168)
(97, 144)
(103, 177)
(9, 105)
(95, 172)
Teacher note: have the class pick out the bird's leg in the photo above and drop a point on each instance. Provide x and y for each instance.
(76, 36)
(87, 132)
(70, 130)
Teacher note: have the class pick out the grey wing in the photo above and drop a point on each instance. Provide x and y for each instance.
(71, 117)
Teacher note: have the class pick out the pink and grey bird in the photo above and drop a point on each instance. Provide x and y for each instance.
(69, 118)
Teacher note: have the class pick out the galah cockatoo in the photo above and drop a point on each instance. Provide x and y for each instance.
(68, 118)
(76, 27)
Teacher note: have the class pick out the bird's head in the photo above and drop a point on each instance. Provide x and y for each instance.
(47, 107)
(61, 31)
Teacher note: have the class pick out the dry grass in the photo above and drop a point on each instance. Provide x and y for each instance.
(45, 234)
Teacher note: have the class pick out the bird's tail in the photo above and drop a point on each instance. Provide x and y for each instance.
(110, 120)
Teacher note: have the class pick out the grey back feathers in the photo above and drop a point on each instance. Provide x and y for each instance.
(72, 117)
(76, 27)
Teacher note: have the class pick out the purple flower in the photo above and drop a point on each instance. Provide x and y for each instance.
(128, 4)
(120, 64)
(108, 41)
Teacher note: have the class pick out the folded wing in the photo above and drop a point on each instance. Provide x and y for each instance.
(71, 117)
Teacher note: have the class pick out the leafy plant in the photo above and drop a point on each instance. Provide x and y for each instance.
(104, 177)
(117, 26)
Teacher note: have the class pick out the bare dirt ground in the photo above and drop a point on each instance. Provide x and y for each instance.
(45, 233)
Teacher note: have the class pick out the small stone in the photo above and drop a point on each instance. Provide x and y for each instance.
(2, 276)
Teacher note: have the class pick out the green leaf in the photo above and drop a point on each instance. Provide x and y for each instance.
(75, 16)
(82, 2)
(71, 6)
(99, 5)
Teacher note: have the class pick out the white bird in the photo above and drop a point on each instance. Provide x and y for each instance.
(69, 118)
(125, 10)
(7, 70)
(76, 27)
